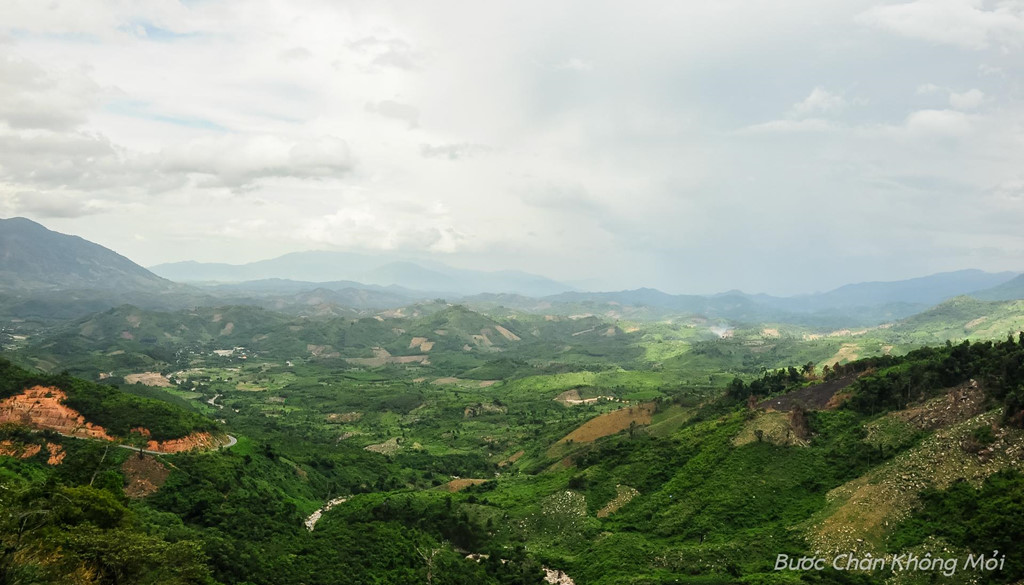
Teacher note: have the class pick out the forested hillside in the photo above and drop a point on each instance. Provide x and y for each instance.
(677, 489)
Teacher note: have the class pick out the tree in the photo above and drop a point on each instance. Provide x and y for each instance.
(428, 554)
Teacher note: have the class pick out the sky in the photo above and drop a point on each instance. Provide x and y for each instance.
(781, 146)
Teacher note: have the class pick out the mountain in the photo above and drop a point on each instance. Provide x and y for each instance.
(860, 304)
(326, 266)
(924, 290)
(1010, 290)
(730, 305)
(313, 266)
(319, 298)
(33, 258)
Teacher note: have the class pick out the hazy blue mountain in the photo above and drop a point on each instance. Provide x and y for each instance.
(1010, 290)
(855, 304)
(312, 266)
(324, 266)
(409, 274)
(285, 286)
(297, 296)
(34, 258)
(923, 291)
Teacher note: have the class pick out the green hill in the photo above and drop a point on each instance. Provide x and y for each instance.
(115, 411)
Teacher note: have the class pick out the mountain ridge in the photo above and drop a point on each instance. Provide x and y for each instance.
(328, 266)
(33, 257)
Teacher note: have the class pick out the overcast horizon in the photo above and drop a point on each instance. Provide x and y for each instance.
(784, 147)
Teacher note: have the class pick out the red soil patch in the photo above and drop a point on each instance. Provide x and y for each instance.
(40, 407)
(200, 441)
(23, 451)
(610, 423)
(19, 450)
(144, 475)
(57, 454)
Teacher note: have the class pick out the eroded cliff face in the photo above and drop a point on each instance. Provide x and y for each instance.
(41, 407)
(199, 441)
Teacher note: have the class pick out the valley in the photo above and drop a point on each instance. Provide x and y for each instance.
(593, 442)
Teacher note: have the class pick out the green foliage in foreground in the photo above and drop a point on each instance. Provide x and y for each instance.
(84, 535)
(991, 516)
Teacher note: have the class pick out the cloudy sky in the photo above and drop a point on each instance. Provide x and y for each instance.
(780, 146)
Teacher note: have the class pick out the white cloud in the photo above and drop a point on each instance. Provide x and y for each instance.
(296, 54)
(804, 125)
(363, 227)
(939, 123)
(31, 97)
(819, 101)
(340, 125)
(967, 100)
(395, 110)
(55, 204)
(239, 161)
(454, 151)
(78, 161)
(575, 64)
(964, 23)
(387, 52)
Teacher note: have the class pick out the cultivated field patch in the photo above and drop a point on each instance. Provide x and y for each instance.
(459, 484)
(606, 424)
(149, 379)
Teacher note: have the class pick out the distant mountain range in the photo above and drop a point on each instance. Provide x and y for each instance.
(326, 266)
(855, 304)
(41, 271)
(925, 290)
